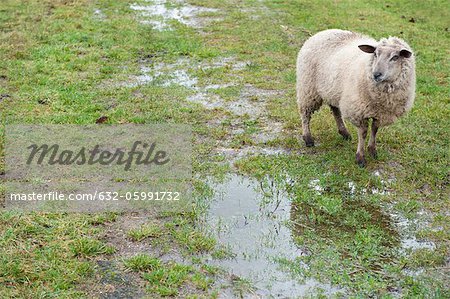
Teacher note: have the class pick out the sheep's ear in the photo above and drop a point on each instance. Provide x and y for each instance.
(367, 48)
(405, 53)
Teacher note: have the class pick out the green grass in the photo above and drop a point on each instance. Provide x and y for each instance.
(165, 279)
(145, 231)
(90, 247)
(142, 262)
(60, 65)
(46, 255)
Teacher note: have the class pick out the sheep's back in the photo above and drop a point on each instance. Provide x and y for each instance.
(326, 59)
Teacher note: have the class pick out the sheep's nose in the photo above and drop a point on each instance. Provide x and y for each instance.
(377, 76)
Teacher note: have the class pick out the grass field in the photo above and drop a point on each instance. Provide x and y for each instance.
(227, 68)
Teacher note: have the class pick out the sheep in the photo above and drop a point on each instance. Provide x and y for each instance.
(359, 78)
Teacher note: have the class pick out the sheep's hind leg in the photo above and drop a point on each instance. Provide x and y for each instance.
(362, 134)
(372, 147)
(307, 137)
(340, 123)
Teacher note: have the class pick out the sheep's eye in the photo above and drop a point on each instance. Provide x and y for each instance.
(394, 58)
(374, 54)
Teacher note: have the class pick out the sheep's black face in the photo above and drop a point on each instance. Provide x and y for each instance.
(387, 61)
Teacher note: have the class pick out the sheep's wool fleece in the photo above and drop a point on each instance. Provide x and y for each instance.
(332, 70)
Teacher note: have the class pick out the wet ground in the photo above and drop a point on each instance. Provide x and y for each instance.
(160, 13)
(277, 219)
(251, 219)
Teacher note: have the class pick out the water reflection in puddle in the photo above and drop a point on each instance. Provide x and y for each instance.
(249, 218)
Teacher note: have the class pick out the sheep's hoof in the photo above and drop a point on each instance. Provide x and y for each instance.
(360, 160)
(345, 135)
(373, 152)
(309, 141)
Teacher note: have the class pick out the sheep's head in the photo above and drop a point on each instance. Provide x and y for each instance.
(389, 57)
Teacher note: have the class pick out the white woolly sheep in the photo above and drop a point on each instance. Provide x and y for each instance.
(359, 78)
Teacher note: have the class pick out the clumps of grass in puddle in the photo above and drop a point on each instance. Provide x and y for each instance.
(190, 238)
(166, 279)
(347, 235)
(176, 230)
(248, 219)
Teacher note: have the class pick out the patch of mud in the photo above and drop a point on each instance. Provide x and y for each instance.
(249, 218)
(270, 131)
(116, 235)
(114, 283)
(159, 14)
(251, 102)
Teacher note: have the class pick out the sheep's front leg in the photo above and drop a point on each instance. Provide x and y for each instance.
(372, 147)
(362, 134)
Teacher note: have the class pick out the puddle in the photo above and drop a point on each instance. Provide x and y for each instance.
(314, 184)
(352, 187)
(414, 244)
(160, 13)
(209, 101)
(177, 73)
(250, 218)
(218, 86)
(163, 75)
(404, 227)
(99, 14)
(232, 155)
(331, 226)
(407, 229)
(227, 62)
(271, 131)
(414, 273)
(250, 102)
